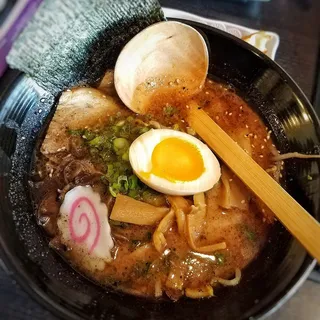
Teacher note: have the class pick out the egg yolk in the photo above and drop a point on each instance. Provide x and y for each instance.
(175, 159)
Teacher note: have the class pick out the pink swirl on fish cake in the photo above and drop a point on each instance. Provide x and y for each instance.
(84, 218)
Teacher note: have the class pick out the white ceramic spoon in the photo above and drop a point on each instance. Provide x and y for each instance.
(169, 55)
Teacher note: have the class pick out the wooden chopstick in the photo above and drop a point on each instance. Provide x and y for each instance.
(293, 216)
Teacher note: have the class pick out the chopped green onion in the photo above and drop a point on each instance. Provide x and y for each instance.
(77, 132)
(120, 123)
(97, 141)
(111, 119)
(133, 193)
(113, 192)
(88, 135)
(109, 148)
(130, 119)
(133, 182)
(125, 180)
(106, 156)
(144, 130)
(110, 170)
(220, 258)
(120, 143)
(125, 131)
(116, 129)
(94, 152)
(125, 156)
(120, 146)
(249, 233)
(169, 110)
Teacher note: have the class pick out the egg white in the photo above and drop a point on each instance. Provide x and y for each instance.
(140, 154)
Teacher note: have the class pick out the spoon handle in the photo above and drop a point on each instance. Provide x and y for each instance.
(293, 216)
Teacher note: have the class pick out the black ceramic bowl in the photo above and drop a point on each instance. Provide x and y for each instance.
(267, 283)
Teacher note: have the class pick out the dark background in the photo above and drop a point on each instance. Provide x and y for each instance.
(298, 24)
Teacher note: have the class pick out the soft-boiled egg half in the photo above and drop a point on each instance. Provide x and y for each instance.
(174, 162)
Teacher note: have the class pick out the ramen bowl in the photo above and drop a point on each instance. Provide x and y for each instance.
(269, 281)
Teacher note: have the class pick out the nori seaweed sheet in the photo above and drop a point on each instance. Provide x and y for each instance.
(70, 43)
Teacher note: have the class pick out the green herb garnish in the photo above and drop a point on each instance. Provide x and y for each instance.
(78, 132)
(109, 148)
(249, 233)
(220, 258)
(169, 110)
(141, 268)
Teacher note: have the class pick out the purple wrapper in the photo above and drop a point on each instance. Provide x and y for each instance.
(13, 25)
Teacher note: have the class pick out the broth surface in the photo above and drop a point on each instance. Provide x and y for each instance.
(76, 152)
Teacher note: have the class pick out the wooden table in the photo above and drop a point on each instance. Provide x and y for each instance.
(298, 24)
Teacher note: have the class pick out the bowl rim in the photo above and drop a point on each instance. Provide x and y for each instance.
(11, 262)
(173, 13)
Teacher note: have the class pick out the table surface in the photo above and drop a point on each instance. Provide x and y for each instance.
(298, 24)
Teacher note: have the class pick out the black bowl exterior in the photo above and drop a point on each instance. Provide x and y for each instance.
(267, 282)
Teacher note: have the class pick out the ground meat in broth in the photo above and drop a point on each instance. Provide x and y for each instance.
(137, 267)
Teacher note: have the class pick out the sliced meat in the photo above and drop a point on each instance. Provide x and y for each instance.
(76, 168)
(78, 109)
(48, 212)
